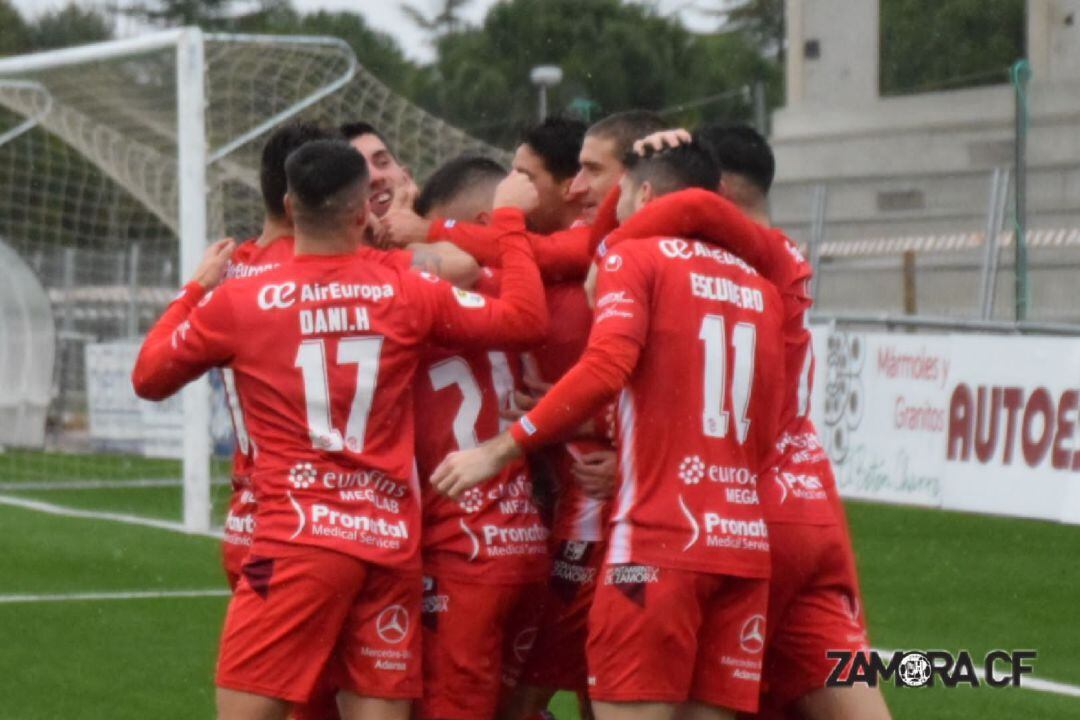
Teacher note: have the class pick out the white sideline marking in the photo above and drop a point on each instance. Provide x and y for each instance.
(129, 595)
(1028, 682)
(9, 486)
(87, 484)
(63, 511)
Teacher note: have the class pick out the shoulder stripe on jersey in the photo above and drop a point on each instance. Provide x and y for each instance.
(621, 535)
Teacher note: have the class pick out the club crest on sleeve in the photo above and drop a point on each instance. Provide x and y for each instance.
(613, 262)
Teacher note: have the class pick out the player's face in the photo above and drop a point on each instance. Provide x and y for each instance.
(387, 174)
(548, 216)
(600, 170)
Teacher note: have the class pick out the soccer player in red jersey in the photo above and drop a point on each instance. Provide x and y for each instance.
(565, 254)
(255, 257)
(325, 348)
(272, 247)
(485, 554)
(548, 155)
(692, 337)
(814, 599)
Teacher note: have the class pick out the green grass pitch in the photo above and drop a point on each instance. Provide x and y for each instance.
(931, 580)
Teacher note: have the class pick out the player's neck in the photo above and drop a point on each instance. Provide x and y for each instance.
(325, 244)
(273, 229)
(569, 215)
(759, 213)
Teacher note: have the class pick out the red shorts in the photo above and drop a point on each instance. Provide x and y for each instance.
(558, 657)
(665, 635)
(239, 532)
(465, 628)
(522, 628)
(299, 608)
(232, 560)
(813, 608)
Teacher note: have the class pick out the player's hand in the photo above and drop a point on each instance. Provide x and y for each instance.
(375, 233)
(401, 225)
(595, 473)
(517, 190)
(215, 262)
(520, 404)
(466, 469)
(537, 387)
(660, 140)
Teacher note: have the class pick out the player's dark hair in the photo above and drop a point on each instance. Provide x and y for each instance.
(671, 169)
(558, 143)
(326, 177)
(627, 127)
(455, 177)
(742, 150)
(281, 143)
(353, 130)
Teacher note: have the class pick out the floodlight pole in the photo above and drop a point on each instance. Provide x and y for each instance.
(191, 162)
(545, 76)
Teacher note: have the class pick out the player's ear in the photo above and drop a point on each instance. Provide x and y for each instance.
(287, 202)
(482, 218)
(565, 189)
(723, 188)
(645, 194)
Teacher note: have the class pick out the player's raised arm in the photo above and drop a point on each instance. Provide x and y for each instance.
(709, 216)
(446, 260)
(191, 335)
(519, 316)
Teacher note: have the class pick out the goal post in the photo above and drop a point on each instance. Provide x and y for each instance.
(119, 162)
(191, 165)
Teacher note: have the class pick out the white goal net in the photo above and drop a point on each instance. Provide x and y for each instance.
(118, 162)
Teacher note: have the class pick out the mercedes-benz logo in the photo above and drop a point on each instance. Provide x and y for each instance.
(523, 643)
(393, 624)
(752, 635)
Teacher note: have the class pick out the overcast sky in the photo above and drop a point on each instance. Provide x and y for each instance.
(386, 15)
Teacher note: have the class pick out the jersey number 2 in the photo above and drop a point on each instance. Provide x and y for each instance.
(715, 419)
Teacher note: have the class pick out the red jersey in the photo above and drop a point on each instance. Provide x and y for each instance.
(794, 492)
(695, 335)
(577, 516)
(248, 260)
(324, 349)
(561, 256)
(493, 533)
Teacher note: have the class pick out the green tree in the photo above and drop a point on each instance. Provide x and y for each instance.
(444, 21)
(72, 25)
(171, 13)
(614, 55)
(376, 51)
(14, 34)
(933, 45)
(761, 21)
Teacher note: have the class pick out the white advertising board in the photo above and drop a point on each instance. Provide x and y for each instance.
(964, 422)
(120, 420)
